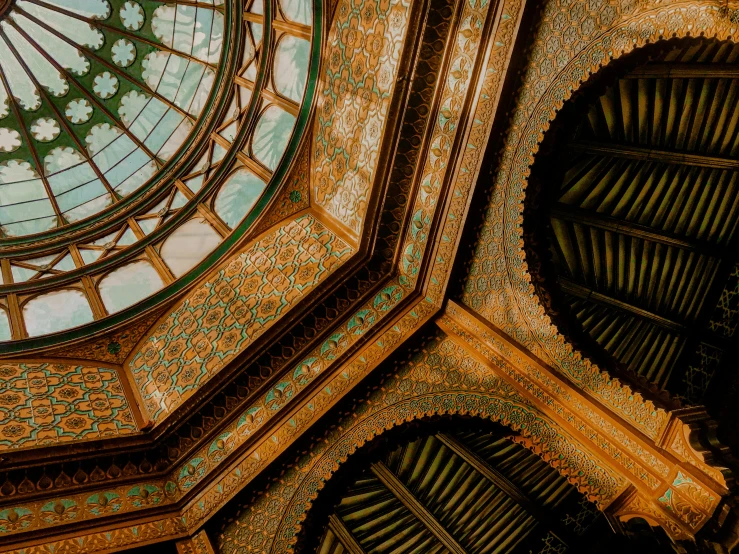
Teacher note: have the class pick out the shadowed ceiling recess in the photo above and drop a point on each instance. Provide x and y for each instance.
(637, 186)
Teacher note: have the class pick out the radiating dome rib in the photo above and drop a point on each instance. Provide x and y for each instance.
(59, 116)
(109, 154)
(115, 104)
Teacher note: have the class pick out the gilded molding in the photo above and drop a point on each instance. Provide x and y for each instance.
(441, 379)
(649, 467)
(242, 298)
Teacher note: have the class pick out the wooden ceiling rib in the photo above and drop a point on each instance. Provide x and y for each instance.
(455, 492)
(643, 221)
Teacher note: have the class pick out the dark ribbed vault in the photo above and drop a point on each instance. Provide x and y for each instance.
(632, 217)
(452, 488)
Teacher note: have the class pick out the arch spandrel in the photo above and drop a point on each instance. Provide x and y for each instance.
(444, 379)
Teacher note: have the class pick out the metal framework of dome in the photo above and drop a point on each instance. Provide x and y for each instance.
(136, 139)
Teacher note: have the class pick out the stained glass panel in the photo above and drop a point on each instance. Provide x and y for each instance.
(237, 196)
(99, 95)
(299, 11)
(272, 135)
(5, 333)
(291, 66)
(189, 244)
(96, 96)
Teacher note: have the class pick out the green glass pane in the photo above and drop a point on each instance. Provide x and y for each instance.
(237, 196)
(271, 136)
(129, 284)
(291, 66)
(70, 308)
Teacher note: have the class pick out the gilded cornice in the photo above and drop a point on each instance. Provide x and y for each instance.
(652, 467)
(441, 379)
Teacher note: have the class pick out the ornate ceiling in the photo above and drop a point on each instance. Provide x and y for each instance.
(638, 186)
(195, 359)
(458, 491)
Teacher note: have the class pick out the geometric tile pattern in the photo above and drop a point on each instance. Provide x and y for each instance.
(158, 493)
(235, 306)
(43, 404)
(362, 56)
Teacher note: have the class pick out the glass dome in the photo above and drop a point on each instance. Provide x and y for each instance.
(96, 97)
(137, 138)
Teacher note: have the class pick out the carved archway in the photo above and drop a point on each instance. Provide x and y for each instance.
(573, 43)
(441, 380)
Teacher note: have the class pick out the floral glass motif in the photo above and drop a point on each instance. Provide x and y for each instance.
(115, 87)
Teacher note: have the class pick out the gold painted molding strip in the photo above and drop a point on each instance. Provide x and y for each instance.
(426, 518)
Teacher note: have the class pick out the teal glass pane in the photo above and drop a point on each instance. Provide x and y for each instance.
(299, 11)
(291, 66)
(237, 196)
(129, 284)
(271, 136)
(4, 326)
(69, 307)
(188, 245)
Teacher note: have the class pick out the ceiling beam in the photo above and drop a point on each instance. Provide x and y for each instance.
(684, 71)
(594, 219)
(399, 491)
(580, 291)
(641, 153)
(586, 293)
(343, 535)
(509, 488)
